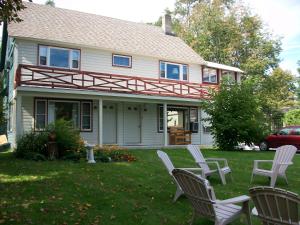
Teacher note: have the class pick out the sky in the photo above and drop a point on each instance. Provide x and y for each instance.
(282, 17)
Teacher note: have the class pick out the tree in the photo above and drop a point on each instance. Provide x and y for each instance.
(227, 32)
(292, 117)
(235, 115)
(9, 10)
(298, 67)
(50, 3)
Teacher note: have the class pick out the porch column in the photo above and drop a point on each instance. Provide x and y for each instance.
(100, 122)
(165, 111)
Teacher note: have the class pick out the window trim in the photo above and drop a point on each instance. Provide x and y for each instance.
(218, 75)
(58, 47)
(35, 112)
(63, 100)
(181, 107)
(124, 56)
(181, 71)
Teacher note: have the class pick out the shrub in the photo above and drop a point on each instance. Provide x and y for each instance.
(113, 153)
(67, 137)
(32, 142)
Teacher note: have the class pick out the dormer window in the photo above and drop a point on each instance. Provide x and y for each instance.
(59, 57)
(121, 60)
(173, 71)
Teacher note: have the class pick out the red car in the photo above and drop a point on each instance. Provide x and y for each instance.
(286, 136)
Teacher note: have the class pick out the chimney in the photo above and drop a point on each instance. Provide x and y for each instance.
(167, 24)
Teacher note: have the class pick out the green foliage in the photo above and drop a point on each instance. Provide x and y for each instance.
(67, 137)
(9, 10)
(50, 3)
(113, 153)
(32, 143)
(235, 116)
(292, 117)
(227, 32)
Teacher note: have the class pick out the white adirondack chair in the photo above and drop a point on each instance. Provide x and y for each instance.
(203, 163)
(275, 206)
(202, 198)
(283, 158)
(170, 167)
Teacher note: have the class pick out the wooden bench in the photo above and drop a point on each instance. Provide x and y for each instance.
(180, 136)
(4, 143)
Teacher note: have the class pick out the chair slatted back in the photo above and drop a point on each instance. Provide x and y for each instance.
(284, 154)
(166, 161)
(197, 155)
(197, 191)
(276, 206)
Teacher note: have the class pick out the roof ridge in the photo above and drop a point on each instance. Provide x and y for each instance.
(92, 14)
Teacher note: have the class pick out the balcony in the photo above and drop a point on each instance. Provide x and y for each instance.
(39, 76)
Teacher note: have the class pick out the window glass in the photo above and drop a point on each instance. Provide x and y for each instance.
(184, 72)
(206, 129)
(43, 55)
(59, 57)
(75, 59)
(162, 69)
(228, 76)
(210, 75)
(297, 131)
(124, 61)
(68, 111)
(86, 123)
(193, 115)
(285, 131)
(41, 113)
(173, 71)
(10, 116)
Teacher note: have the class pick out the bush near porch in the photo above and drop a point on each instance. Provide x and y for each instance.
(141, 192)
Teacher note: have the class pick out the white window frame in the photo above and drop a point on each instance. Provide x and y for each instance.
(122, 56)
(81, 115)
(180, 70)
(209, 75)
(70, 50)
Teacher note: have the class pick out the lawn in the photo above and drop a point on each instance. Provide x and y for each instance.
(140, 192)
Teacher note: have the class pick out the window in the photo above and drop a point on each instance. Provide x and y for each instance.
(10, 116)
(59, 57)
(40, 114)
(206, 129)
(179, 117)
(121, 61)
(228, 76)
(210, 75)
(86, 116)
(48, 111)
(173, 71)
(285, 131)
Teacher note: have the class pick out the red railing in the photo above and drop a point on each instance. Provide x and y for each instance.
(38, 76)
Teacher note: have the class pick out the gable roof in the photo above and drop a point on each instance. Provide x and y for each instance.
(41, 22)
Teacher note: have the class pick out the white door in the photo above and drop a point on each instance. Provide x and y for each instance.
(132, 124)
(109, 123)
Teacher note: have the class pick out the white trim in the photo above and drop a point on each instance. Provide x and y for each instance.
(100, 122)
(165, 113)
(110, 95)
(223, 67)
(180, 70)
(122, 56)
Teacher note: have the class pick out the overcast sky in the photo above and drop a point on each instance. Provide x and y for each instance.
(281, 16)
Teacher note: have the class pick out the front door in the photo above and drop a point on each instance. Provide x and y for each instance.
(132, 124)
(109, 123)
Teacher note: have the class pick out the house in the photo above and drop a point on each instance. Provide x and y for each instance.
(119, 82)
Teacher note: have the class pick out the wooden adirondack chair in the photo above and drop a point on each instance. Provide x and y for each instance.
(201, 196)
(283, 158)
(275, 206)
(170, 167)
(203, 163)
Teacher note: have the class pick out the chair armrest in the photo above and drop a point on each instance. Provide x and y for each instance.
(218, 159)
(211, 162)
(191, 169)
(239, 199)
(290, 163)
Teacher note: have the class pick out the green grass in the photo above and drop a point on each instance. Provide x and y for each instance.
(141, 192)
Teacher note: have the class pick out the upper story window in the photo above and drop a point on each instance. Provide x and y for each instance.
(59, 57)
(210, 75)
(173, 71)
(228, 76)
(121, 60)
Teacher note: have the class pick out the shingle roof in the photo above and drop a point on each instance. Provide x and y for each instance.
(223, 67)
(43, 22)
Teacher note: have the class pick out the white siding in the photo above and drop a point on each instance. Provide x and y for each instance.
(206, 138)
(101, 61)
